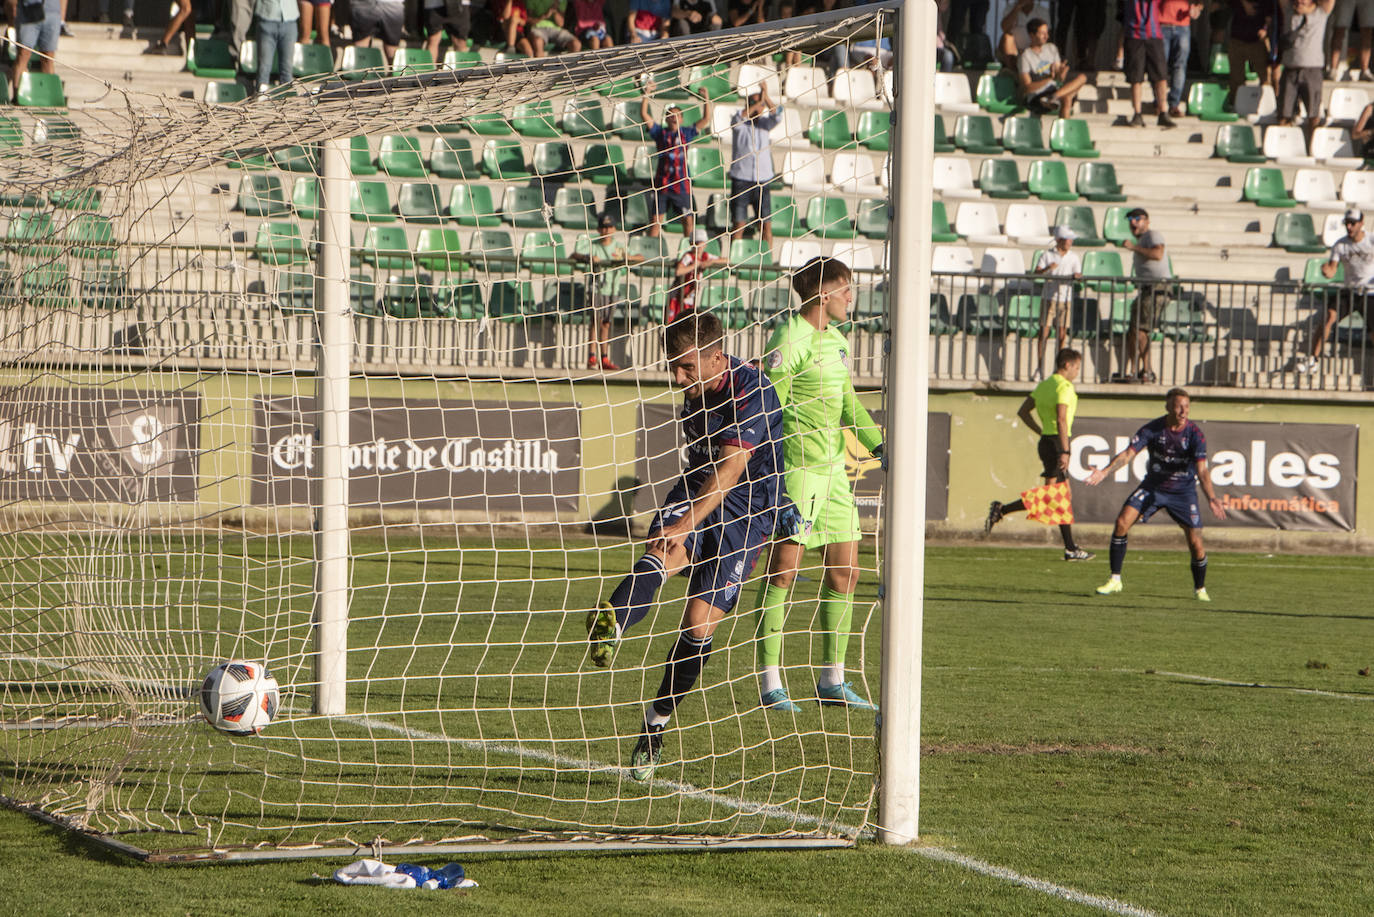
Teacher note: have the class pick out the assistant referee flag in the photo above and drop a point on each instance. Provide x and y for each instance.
(1049, 503)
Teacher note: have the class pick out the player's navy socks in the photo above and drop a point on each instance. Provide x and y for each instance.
(634, 595)
(1066, 532)
(1015, 507)
(1200, 573)
(1118, 553)
(680, 672)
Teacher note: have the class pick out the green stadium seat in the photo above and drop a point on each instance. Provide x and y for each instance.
(386, 247)
(711, 81)
(421, 202)
(295, 159)
(52, 128)
(1207, 101)
(871, 218)
(311, 60)
(221, 92)
(623, 88)
(1097, 182)
(504, 160)
(872, 131)
(638, 211)
(10, 133)
(31, 233)
(248, 58)
(1023, 315)
(726, 301)
(829, 129)
(1001, 178)
(1236, 143)
(542, 245)
(604, 164)
(462, 60)
(20, 198)
(574, 208)
(940, 230)
(362, 294)
(211, 59)
(261, 195)
(488, 244)
(751, 259)
(452, 157)
(943, 144)
(1184, 321)
(406, 296)
(716, 219)
(104, 286)
(279, 243)
(772, 304)
(828, 218)
(473, 205)
(1070, 137)
(1023, 137)
(625, 122)
(360, 156)
(400, 157)
(658, 260)
(1218, 61)
(787, 221)
(535, 119)
(246, 159)
(439, 249)
(974, 134)
(1115, 227)
(1080, 218)
(511, 300)
(996, 93)
(1103, 271)
(706, 167)
(91, 236)
(370, 202)
(490, 124)
(305, 198)
(1048, 179)
(76, 198)
(358, 63)
(1264, 186)
(979, 313)
(524, 207)
(1295, 233)
(672, 85)
(583, 118)
(295, 291)
(455, 297)
(47, 285)
(941, 321)
(411, 60)
(41, 90)
(1312, 273)
(553, 159)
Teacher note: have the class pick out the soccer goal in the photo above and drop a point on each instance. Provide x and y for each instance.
(320, 380)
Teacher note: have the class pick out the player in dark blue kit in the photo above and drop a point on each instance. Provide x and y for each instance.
(728, 504)
(1177, 462)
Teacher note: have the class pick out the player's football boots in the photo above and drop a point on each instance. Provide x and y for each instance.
(602, 634)
(1202, 595)
(777, 699)
(842, 696)
(648, 753)
(1111, 587)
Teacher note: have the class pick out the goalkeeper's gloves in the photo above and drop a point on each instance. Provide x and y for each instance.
(881, 455)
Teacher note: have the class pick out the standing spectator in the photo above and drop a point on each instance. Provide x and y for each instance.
(687, 277)
(1143, 47)
(314, 17)
(1046, 81)
(945, 60)
(1056, 301)
(1177, 17)
(607, 282)
(1353, 251)
(513, 18)
(1363, 131)
(38, 25)
(382, 19)
(451, 16)
(1302, 60)
(751, 164)
(1085, 20)
(1344, 16)
(548, 31)
(127, 22)
(672, 184)
(183, 22)
(692, 17)
(276, 22)
(745, 12)
(1252, 22)
(1150, 267)
(970, 16)
(1016, 31)
(589, 23)
(649, 20)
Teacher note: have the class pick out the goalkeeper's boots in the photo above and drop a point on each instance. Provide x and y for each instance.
(777, 699)
(842, 695)
(647, 754)
(1111, 587)
(602, 634)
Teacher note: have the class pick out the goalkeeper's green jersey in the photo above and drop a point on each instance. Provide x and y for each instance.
(809, 369)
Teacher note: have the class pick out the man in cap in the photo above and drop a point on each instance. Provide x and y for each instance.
(607, 281)
(672, 184)
(751, 164)
(1353, 252)
(1057, 299)
(1150, 267)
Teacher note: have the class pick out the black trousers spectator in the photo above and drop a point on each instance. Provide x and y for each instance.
(966, 16)
(1087, 20)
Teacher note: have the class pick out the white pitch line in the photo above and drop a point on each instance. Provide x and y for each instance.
(1259, 684)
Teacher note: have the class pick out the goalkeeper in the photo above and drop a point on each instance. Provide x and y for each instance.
(808, 363)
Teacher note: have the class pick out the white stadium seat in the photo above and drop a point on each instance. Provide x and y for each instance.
(1003, 261)
(951, 259)
(806, 85)
(1344, 106)
(856, 253)
(855, 173)
(1287, 146)
(804, 170)
(1332, 229)
(793, 253)
(952, 94)
(1257, 104)
(1027, 224)
(790, 129)
(856, 87)
(751, 76)
(977, 222)
(1357, 189)
(954, 177)
(1315, 189)
(1332, 146)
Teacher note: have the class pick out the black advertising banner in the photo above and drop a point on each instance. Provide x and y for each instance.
(660, 462)
(1292, 476)
(440, 455)
(98, 445)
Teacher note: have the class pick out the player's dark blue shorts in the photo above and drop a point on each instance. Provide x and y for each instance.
(1182, 507)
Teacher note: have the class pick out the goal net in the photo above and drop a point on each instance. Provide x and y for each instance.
(161, 301)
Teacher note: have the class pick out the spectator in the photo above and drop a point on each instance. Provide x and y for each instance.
(1015, 34)
(1344, 16)
(548, 31)
(1046, 81)
(451, 16)
(945, 60)
(1355, 252)
(38, 25)
(1056, 300)
(514, 19)
(314, 17)
(672, 184)
(745, 12)
(182, 22)
(751, 164)
(1251, 25)
(607, 283)
(382, 19)
(1150, 267)
(649, 20)
(1302, 60)
(1086, 20)
(970, 16)
(692, 17)
(276, 22)
(127, 22)
(589, 23)
(1143, 47)
(1363, 131)
(686, 277)
(1177, 25)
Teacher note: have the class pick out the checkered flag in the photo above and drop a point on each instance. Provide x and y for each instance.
(1051, 504)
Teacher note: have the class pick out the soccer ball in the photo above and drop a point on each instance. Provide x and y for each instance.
(239, 697)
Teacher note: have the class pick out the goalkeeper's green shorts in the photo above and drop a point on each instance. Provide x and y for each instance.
(826, 502)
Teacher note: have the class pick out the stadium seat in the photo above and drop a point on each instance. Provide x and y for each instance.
(488, 247)
(974, 134)
(31, 233)
(222, 92)
(1257, 104)
(1023, 137)
(1357, 189)
(828, 218)
(1332, 229)
(953, 177)
(855, 173)
(370, 202)
(637, 211)
(41, 90)
(1295, 233)
(1048, 179)
(979, 313)
(47, 285)
(511, 300)
(211, 59)
(311, 60)
(941, 320)
(452, 157)
(1185, 321)
(642, 164)
(1023, 315)
(574, 208)
(1286, 145)
(472, 205)
(1207, 101)
(940, 230)
(1312, 273)
(91, 236)
(1001, 178)
(716, 218)
(504, 160)
(534, 119)
(296, 159)
(1236, 143)
(399, 157)
(855, 87)
(604, 164)
(1316, 189)
(421, 202)
(871, 217)
(787, 222)
(951, 259)
(1097, 182)
(625, 87)
(457, 297)
(670, 85)
(360, 156)
(523, 207)
(439, 249)
(1103, 271)
(1218, 61)
(553, 159)
(76, 198)
(583, 117)
(1332, 146)
(805, 85)
(20, 197)
(1344, 106)
(489, 124)
(305, 198)
(1264, 186)
(952, 94)
(1116, 228)
(404, 295)
(386, 247)
(793, 253)
(752, 74)
(625, 122)
(248, 59)
(411, 60)
(829, 129)
(772, 304)
(51, 128)
(804, 170)
(711, 81)
(706, 167)
(997, 93)
(871, 308)
(1006, 261)
(658, 260)
(856, 253)
(874, 126)
(1085, 318)
(104, 286)
(752, 259)
(261, 195)
(541, 245)
(358, 63)
(1070, 137)
(977, 222)
(726, 302)
(943, 142)
(461, 60)
(10, 134)
(1027, 224)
